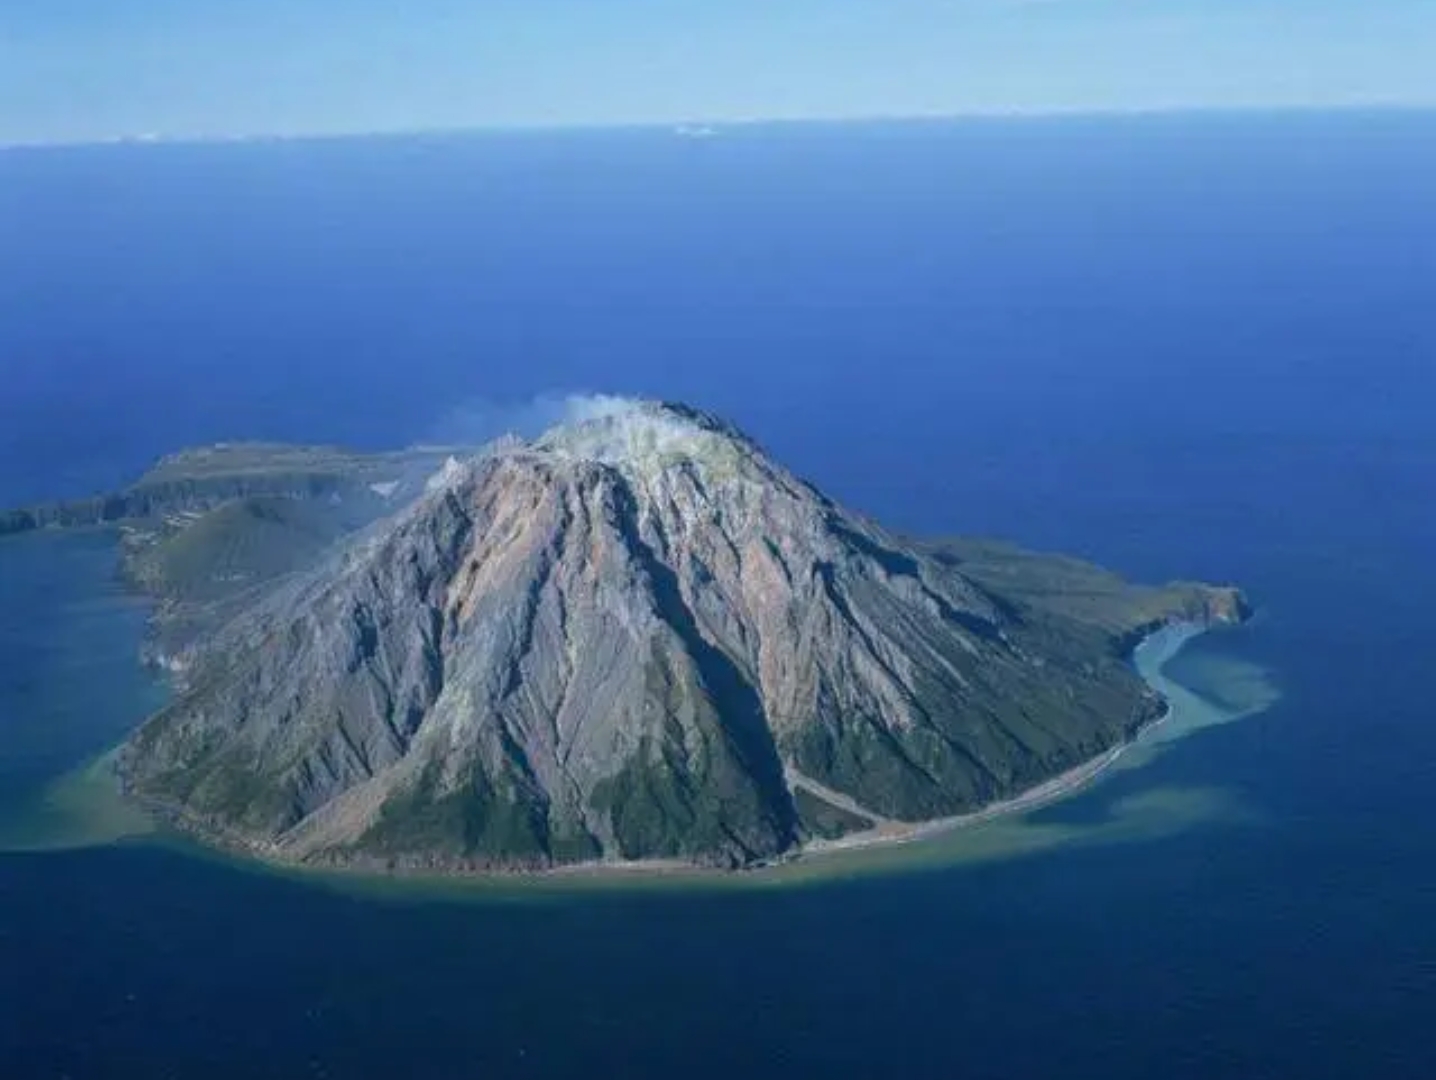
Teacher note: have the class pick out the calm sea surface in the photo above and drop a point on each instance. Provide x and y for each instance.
(1184, 347)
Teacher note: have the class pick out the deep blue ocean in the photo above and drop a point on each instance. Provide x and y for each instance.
(1183, 346)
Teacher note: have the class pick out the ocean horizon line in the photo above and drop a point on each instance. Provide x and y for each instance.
(700, 127)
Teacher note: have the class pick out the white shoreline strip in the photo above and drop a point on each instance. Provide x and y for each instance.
(1150, 656)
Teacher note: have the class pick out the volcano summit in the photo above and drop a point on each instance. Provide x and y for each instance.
(636, 637)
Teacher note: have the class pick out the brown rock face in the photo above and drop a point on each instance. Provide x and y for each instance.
(640, 638)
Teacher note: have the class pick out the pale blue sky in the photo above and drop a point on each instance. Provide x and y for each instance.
(91, 69)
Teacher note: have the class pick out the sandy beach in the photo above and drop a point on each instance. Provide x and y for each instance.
(1150, 656)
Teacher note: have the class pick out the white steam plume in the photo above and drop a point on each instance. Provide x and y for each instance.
(477, 422)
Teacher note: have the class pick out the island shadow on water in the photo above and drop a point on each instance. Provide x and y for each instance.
(1115, 802)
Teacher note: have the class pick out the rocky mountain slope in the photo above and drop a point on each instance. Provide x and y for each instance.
(638, 637)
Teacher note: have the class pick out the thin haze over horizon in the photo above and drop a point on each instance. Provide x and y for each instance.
(93, 70)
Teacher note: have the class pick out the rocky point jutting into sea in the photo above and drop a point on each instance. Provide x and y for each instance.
(635, 638)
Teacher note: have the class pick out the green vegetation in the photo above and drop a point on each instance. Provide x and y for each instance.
(239, 545)
(824, 820)
(477, 818)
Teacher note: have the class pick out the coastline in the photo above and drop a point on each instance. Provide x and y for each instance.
(1152, 652)
(869, 851)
